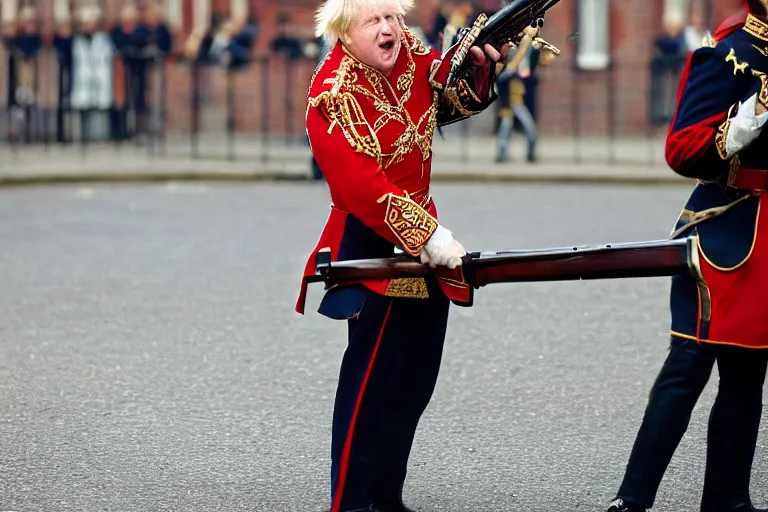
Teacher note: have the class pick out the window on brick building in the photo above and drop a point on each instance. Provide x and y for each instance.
(594, 31)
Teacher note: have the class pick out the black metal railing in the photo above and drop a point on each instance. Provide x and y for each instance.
(665, 72)
(139, 109)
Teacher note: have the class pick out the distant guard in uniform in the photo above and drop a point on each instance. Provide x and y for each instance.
(721, 315)
(511, 84)
(373, 105)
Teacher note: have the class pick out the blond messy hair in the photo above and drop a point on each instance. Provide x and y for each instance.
(334, 17)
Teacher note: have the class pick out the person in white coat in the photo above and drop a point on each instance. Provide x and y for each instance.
(92, 55)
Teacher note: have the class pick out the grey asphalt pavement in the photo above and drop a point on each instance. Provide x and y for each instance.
(150, 357)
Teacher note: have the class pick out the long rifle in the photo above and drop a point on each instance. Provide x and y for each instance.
(611, 261)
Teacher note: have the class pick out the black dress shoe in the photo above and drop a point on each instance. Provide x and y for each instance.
(397, 507)
(375, 508)
(619, 505)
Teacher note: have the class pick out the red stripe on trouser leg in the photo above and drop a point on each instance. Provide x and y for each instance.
(350, 433)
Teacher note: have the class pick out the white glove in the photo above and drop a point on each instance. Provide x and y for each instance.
(745, 127)
(442, 249)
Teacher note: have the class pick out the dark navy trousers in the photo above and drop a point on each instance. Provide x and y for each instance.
(387, 377)
(732, 430)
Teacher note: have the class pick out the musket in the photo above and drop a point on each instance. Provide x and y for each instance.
(507, 25)
(518, 22)
(656, 258)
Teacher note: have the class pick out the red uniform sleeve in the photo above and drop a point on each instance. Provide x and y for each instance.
(709, 90)
(345, 151)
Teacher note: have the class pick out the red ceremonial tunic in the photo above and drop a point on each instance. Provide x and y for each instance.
(372, 138)
(727, 303)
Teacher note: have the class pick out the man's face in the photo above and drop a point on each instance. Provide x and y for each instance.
(152, 16)
(29, 27)
(89, 27)
(374, 38)
(129, 18)
(65, 29)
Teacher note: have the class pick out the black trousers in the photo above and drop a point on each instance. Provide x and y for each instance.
(388, 374)
(732, 429)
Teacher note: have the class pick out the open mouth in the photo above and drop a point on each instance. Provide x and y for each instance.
(387, 46)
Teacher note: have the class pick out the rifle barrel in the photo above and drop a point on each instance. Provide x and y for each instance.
(645, 259)
(637, 259)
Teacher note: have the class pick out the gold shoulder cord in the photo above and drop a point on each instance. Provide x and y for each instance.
(344, 111)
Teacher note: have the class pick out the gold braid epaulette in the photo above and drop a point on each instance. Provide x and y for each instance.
(411, 224)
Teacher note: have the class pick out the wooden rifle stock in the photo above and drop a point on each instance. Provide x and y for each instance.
(612, 261)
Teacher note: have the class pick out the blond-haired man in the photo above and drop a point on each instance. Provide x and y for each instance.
(372, 108)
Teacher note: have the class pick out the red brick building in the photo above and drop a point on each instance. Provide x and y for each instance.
(602, 81)
(600, 84)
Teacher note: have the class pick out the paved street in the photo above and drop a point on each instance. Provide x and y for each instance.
(150, 358)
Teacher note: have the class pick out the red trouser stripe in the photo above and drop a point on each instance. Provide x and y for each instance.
(350, 433)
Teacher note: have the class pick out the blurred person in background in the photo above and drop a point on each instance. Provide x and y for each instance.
(450, 15)
(47, 95)
(159, 38)
(289, 47)
(92, 72)
(232, 46)
(512, 106)
(672, 43)
(62, 44)
(695, 31)
(286, 44)
(24, 43)
(141, 41)
(324, 48)
(158, 48)
(129, 39)
(26, 46)
(539, 59)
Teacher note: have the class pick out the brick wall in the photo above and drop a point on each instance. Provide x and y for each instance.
(252, 107)
(590, 102)
(570, 101)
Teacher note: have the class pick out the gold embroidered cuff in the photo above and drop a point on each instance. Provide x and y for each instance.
(462, 98)
(722, 133)
(762, 97)
(411, 224)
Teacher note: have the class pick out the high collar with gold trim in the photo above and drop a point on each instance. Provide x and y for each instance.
(346, 80)
(756, 27)
(404, 68)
